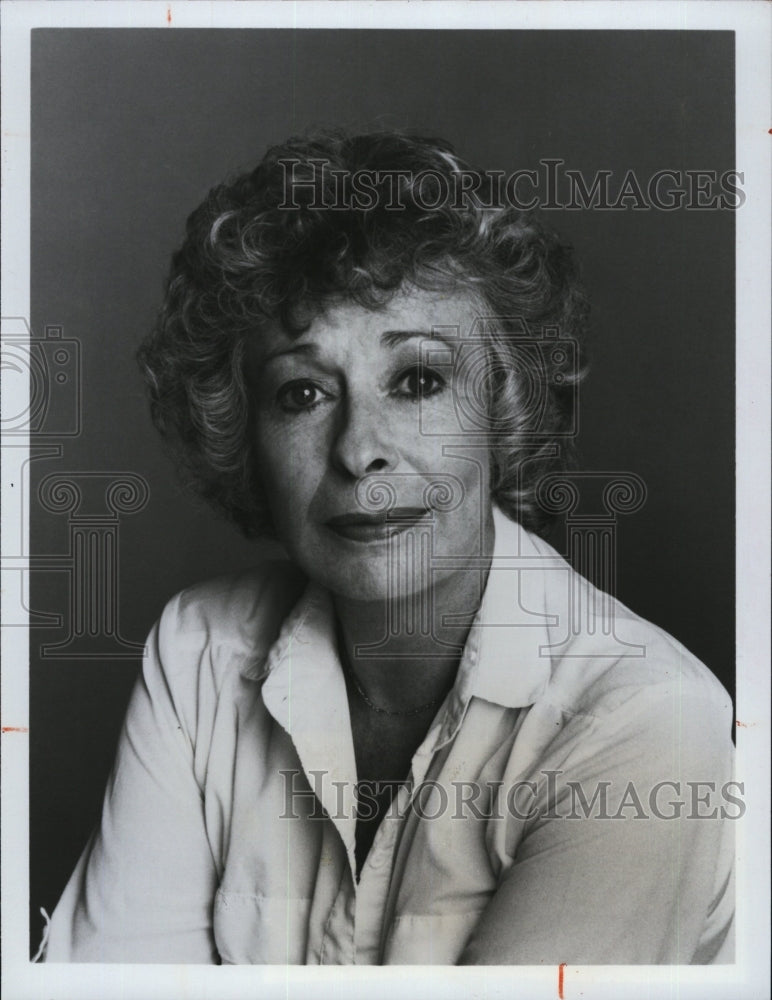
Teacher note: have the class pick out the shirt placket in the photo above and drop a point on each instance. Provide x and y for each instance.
(375, 880)
(376, 888)
(305, 676)
(356, 925)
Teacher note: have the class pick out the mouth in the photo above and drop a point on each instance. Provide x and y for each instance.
(359, 527)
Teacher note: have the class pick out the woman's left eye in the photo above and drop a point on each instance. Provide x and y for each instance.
(419, 382)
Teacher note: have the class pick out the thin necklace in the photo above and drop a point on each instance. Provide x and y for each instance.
(386, 711)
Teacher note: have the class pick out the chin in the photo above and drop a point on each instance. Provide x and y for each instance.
(366, 573)
(361, 578)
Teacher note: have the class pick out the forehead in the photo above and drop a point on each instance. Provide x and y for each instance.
(450, 315)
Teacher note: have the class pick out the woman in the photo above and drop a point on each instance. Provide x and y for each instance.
(398, 746)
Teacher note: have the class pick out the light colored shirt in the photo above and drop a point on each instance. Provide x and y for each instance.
(534, 827)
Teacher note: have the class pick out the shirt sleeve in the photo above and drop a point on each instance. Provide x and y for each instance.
(143, 889)
(646, 877)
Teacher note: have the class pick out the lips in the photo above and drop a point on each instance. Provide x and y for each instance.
(359, 527)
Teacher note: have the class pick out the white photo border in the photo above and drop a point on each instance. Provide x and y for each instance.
(749, 976)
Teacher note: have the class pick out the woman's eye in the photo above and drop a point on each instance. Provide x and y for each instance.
(418, 382)
(298, 396)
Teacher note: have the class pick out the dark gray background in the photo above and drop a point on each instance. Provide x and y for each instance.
(129, 130)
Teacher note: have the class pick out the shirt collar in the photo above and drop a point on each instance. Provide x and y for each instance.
(511, 664)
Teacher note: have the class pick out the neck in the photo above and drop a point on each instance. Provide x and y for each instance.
(400, 651)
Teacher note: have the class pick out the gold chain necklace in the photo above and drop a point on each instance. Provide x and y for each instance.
(387, 711)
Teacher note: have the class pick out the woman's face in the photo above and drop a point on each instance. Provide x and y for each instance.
(369, 475)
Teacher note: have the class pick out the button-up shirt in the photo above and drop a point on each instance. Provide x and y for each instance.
(572, 800)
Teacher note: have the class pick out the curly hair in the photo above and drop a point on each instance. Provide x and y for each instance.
(279, 244)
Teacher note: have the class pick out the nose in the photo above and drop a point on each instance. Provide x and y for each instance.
(363, 443)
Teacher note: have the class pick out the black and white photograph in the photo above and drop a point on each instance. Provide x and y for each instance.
(385, 471)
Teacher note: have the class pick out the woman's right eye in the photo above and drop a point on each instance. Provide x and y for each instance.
(295, 397)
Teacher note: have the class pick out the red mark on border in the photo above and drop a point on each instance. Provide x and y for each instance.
(168, 15)
(561, 967)
(15, 729)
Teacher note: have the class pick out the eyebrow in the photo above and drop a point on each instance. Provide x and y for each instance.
(279, 352)
(391, 338)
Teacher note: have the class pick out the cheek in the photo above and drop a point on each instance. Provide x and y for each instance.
(287, 469)
(451, 459)
(474, 475)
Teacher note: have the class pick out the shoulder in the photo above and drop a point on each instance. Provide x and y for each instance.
(229, 621)
(606, 660)
(209, 642)
(622, 698)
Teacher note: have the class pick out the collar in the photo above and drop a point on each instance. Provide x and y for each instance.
(509, 635)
